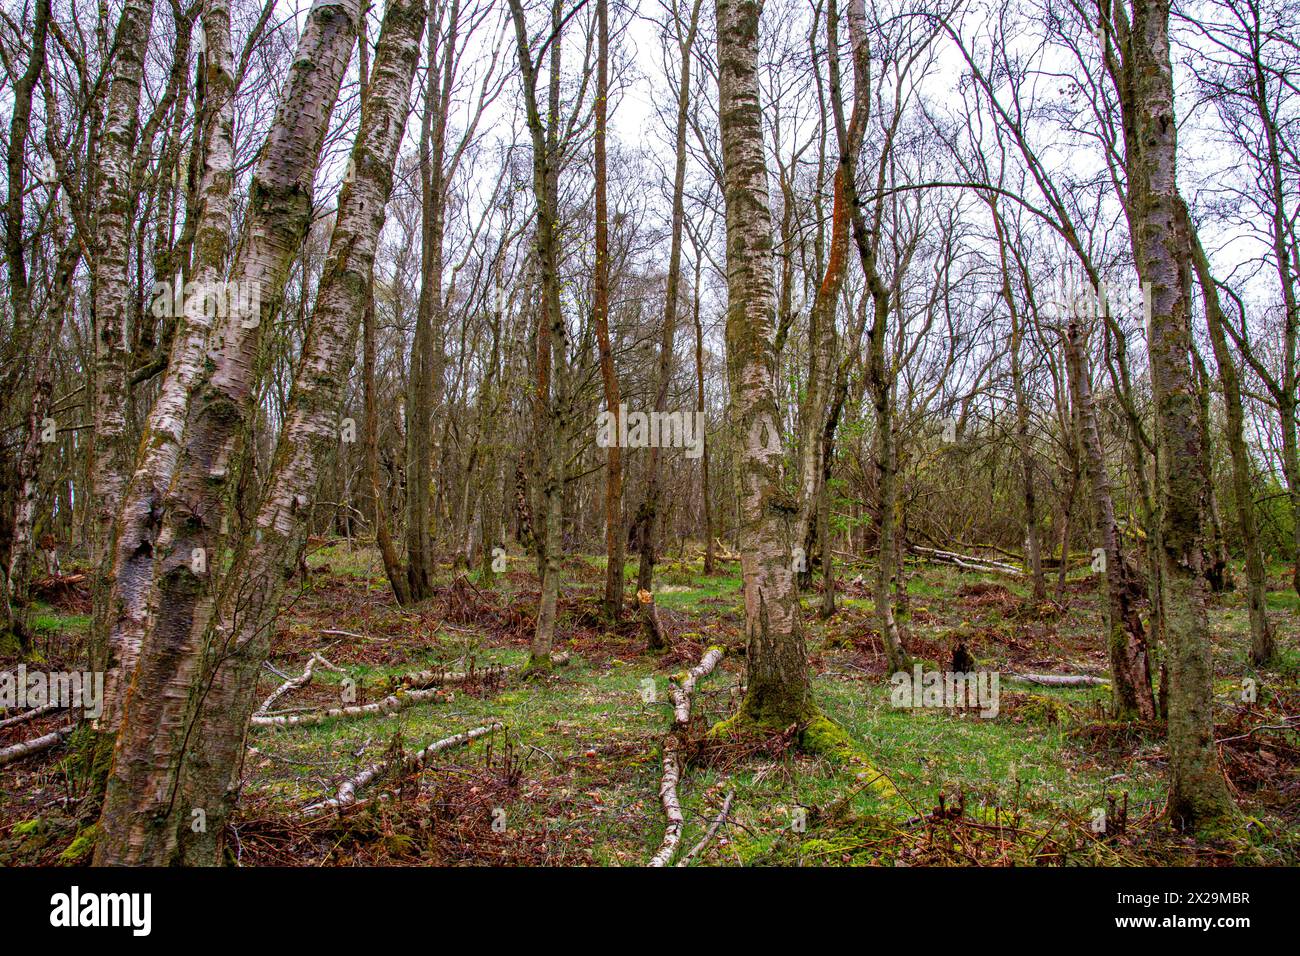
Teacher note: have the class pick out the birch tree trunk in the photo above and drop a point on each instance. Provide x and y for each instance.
(1033, 535)
(137, 818)
(393, 569)
(552, 334)
(1262, 646)
(880, 378)
(817, 422)
(777, 691)
(240, 638)
(110, 282)
(138, 523)
(15, 578)
(705, 490)
(426, 354)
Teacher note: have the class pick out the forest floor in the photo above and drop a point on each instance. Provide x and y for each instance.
(572, 776)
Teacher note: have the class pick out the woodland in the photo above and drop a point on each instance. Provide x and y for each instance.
(650, 433)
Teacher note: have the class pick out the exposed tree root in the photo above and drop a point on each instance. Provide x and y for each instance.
(681, 688)
(819, 736)
(348, 789)
(34, 746)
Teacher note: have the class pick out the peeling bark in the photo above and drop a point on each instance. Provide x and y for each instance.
(141, 814)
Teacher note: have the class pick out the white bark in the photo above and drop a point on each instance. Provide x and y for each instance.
(1062, 680)
(34, 746)
(140, 822)
(138, 523)
(296, 683)
(348, 789)
(681, 692)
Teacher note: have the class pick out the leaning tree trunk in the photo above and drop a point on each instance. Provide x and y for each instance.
(244, 622)
(1198, 792)
(880, 378)
(816, 422)
(1126, 641)
(135, 534)
(135, 823)
(777, 690)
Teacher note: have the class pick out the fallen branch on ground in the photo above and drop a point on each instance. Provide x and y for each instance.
(29, 715)
(1287, 724)
(347, 792)
(34, 746)
(389, 705)
(428, 678)
(1062, 680)
(295, 683)
(398, 700)
(672, 805)
(681, 697)
(967, 562)
(723, 553)
(720, 819)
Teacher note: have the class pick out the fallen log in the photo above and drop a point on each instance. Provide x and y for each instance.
(34, 746)
(672, 805)
(1062, 680)
(680, 692)
(967, 562)
(348, 789)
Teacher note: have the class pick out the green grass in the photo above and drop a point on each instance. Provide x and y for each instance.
(590, 743)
